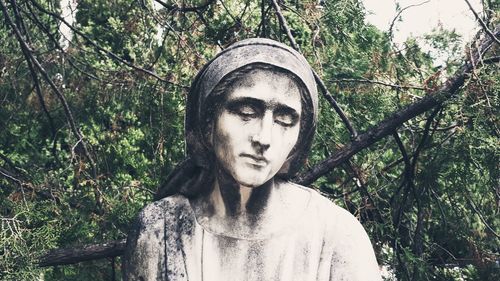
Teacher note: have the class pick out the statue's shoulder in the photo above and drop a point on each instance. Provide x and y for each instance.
(168, 206)
(339, 221)
(316, 200)
(344, 233)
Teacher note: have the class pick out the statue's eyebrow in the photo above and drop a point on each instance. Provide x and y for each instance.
(262, 105)
(285, 109)
(233, 104)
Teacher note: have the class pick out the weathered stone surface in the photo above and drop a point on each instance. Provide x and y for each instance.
(324, 242)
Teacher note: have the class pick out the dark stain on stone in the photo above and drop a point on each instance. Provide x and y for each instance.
(230, 192)
(259, 199)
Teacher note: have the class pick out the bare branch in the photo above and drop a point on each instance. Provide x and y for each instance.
(404, 154)
(8, 175)
(183, 9)
(423, 140)
(386, 127)
(59, 94)
(481, 22)
(335, 105)
(473, 205)
(101, 49)
(284, 24)
(34, 76)
(400, 12)
(320, 82)
(362, 80)
(263, 13)
(31, 15)
(85, 253)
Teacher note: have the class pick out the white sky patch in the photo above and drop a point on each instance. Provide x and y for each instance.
(420, 20)
(68, 13)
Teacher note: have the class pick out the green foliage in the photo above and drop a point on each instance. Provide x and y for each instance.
(438, 223)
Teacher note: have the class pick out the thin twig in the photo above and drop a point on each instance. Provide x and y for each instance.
(362, 80)
(481, 22)
(423, 140)
(320, 82)
(436, 97)
(473, 205)
(55, 89)
(6, 174)
(95, 45)
(491, 60)
(57, 45)
(400, 12)
(34, 77)
(183, 9)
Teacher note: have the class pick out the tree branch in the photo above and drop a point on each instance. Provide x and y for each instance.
(320, 82)
(362, 80)
(85, 253)
(473, 205)
(399, 14)
(481, 22)
(36, 82)
(491, 60)
(51, 37)
(183, 9)
(8, 175)
(386, 127)
(284, 24)
(26, 49)
(101, 49)
(263, 12)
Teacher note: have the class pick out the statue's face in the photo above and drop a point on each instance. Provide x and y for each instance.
(257, 126)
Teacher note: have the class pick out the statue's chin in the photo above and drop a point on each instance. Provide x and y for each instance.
(247, 175)
(252, 180)
(251, 184)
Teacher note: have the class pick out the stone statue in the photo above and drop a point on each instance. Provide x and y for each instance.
(228, 212)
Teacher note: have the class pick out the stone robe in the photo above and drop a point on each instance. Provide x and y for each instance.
(322, 243)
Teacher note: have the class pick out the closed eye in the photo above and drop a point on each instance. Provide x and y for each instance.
(244, 109)
(286, 117)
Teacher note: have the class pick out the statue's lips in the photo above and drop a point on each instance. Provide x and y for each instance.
(255, 159)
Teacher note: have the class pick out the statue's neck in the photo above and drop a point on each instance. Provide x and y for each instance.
(233, 200)
(240, 211)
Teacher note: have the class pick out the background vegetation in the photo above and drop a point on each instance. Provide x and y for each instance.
(90, 126)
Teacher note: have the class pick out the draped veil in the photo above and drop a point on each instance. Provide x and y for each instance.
(192, 175)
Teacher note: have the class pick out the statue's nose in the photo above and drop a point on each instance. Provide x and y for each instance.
(263, 135)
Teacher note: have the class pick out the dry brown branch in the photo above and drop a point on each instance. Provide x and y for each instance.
(85, 253)
(481, 22)
(386, 127)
